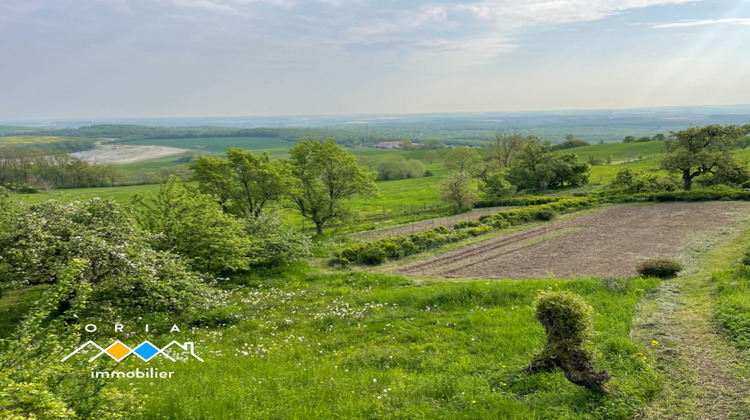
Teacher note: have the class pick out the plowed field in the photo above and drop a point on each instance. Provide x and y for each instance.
(609, 242)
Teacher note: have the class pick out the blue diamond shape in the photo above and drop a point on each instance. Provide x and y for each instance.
(146, 350)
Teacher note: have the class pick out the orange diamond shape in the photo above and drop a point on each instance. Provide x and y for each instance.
(118, 351)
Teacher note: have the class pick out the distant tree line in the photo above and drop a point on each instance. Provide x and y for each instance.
(26, 170)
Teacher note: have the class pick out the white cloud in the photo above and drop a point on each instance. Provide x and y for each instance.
(523, 13)
(704, 22)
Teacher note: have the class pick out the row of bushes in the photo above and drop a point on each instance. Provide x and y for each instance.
(397, 247)
(703, 195)
(528, 200)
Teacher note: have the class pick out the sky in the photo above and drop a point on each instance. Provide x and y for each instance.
(193, 58)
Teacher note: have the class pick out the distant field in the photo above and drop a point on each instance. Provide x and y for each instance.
(7, 128)
(36, 140)
(220, 144)
(619, 151)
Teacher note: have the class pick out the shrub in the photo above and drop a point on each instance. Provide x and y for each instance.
(544, 214)
(659, 267)
(568, 323)
(373, 256)
(467, 224)
(126, 275)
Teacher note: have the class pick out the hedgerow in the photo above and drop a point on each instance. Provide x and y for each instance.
(703, 195)
(517, 201)
(397, 247)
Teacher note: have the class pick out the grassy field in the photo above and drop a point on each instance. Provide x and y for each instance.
(36, 140)
(8, 128)
(361, 345)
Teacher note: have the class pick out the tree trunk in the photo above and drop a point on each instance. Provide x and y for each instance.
(319, 227)
(688, 180)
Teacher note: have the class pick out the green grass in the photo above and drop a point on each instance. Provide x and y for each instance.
(121, 195)
(14, 304)
(619, 151)
(7, 128)
(362, 345)
(733, 301)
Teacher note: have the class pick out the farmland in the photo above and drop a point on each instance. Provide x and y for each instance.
(606, 243)
(448, 331)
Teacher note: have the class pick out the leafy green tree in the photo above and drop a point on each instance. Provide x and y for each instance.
(126, 275)
(628, 181)
(244, 183)
(504, 148)
(327, 176)
(568, 169)
(628, 139)
(463, 159)
(457, 190)
(532, 170)
(194, 226)
(569, 144)
(697, 151)
(274, 242)
(398, 167)
(430, 157)
(35, 384)
(496, 186)
(658, 137)
(538, 168)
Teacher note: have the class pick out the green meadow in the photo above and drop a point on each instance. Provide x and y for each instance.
(300, 343)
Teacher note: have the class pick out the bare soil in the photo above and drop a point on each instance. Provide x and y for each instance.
(609, 242)
(126, 154)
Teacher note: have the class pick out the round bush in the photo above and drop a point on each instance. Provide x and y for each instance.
(544, 214)
(659, 267)
(373, 256)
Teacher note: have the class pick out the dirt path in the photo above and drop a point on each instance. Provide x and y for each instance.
(423, 225)
(707, 378)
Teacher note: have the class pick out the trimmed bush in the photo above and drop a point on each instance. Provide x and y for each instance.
(659, 267)
(567, 320)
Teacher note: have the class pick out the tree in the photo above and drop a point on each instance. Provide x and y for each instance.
(538, 168)
(463, 159)
(658, 137)
(628, 181)
(457, 190)
(628, 139)
(398, 167)
(430, 157)
(124, 275)
(193, 225)
(326, 176)
(406, 144)
(244, 183)
(505, 147)
(697, 151)
(496, 186)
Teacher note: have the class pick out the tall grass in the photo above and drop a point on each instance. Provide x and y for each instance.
(362, 345)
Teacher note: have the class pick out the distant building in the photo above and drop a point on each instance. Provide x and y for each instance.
(388, 145)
